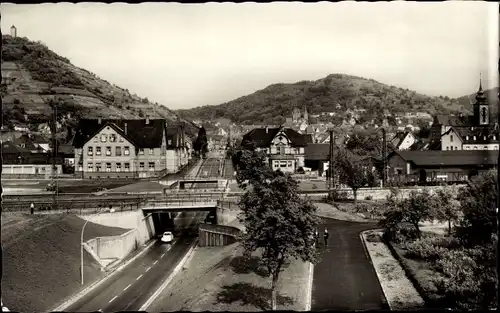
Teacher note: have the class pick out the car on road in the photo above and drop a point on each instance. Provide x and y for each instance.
(167, 237)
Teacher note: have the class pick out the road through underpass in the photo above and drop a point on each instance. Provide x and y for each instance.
(129, 289)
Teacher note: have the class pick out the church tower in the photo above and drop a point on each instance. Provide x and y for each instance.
(295, 115)
(13, 31)
(481, 107)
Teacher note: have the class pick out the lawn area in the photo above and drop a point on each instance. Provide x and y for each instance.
(362, 211)
(220, 279)
(41, 259)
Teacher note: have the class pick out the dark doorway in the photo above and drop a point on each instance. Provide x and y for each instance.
(423, 176)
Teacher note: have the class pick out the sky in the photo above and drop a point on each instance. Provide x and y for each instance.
(188, 55)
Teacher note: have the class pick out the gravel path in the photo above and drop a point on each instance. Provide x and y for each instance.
(399, 291)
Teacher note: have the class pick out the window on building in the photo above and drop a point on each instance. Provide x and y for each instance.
(118, 151)
(118, 167)
(103, 138)
(485, 148)
(108, 167)
(97, 150)
(90, 151)
(141, 151)
(474, 138)
(447, 148)
(141, 166)
(467, 147)
(151, 151)
(108, 151)
(494, 137)
(169, 142)
(121, 139)
(282, 150)
(90, 167)
(289, 163)
(283, 164)
(451, 138)
(96, 139)
(80, 167)
(151, 166)
(495, 148)
(98, 167)
(127, 167)
(484, 137)
(126, 151)
(475, 147)
(112, 138)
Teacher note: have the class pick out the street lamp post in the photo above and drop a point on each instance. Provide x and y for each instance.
(81, 247)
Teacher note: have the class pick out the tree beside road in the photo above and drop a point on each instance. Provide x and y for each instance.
(278, 221)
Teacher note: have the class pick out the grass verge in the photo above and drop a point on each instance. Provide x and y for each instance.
(220, 279)
(41, 259)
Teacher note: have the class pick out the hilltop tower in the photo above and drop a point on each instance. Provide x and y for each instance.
(296, 115)
(481, 107)
(13, 31)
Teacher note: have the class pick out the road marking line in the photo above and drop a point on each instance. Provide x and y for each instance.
(162, 255)
(148, 268)
(138, 277)
(155, 262)
(127, 287)
(112, 299)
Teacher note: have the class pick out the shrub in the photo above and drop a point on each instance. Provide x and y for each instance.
(361, 207)
(424, 249)
(368, 198)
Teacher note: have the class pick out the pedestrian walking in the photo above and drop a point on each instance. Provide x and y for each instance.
(32, 208)
(325, 236)
(316, 237)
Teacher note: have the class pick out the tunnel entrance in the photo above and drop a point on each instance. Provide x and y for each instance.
(182, 223)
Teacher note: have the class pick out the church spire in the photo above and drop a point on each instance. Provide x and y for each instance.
(480, 97)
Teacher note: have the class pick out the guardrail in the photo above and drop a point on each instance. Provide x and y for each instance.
(180, 202)
(73, 206)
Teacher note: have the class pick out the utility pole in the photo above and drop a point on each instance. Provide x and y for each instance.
(384, 158)
(330, 165)
(54, 155)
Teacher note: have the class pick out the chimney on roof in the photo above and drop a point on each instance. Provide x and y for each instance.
(125, 130)
(147, 119)
(99, 120)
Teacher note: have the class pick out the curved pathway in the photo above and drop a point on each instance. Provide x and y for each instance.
(345, 279)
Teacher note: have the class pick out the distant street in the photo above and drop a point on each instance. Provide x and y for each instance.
(129, 289)
(345, 278)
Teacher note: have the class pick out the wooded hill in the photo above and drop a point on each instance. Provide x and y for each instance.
(32, 75)
(276, 102)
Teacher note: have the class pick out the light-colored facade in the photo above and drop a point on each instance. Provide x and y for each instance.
(282, 155)
(451, 141)
(110, 155)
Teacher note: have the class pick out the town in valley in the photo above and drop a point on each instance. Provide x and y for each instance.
(325, 184)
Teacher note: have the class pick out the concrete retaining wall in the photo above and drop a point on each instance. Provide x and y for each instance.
(227, 212)
(382, 194)
(127, 219)
(117, 246)
(217, 235)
